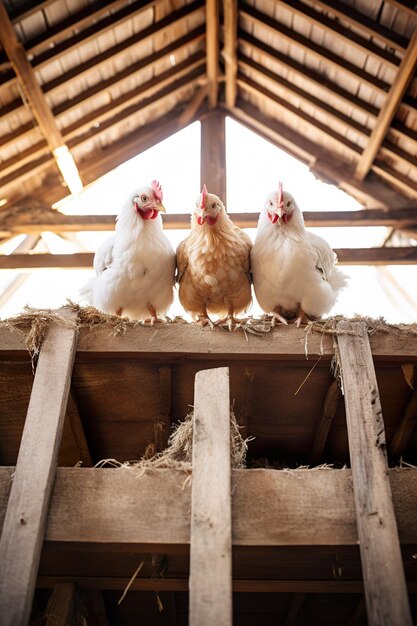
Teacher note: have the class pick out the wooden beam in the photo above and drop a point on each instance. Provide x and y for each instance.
(211, 504)
(322, 431)
(193, 106)
(82, 495)
(213, 153)
(383, 572)
(406, 255)
(408, 6)
(239, 586)
(230, 13)
(362, 22)
(313, 49)
(53, 221)
(296, 602)
(337, 30)
(61, 606)
(212, 50)
(29, 83)
(76, 424)
(26, 516)
(358, 616)
(28, 244)
(389, 108)
(405, 429)
(27, 9)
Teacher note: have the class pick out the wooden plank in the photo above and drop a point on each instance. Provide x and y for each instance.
(163, 428)
(57, 222)
(82, 495)
(212, 50)
(28, 82)
(26, 516)
(405, 429)
(408, 6)
(239, 586)
(76, 425)
(29, 243)
(213, 154)
(383, 572)
(211, 504)
(190, 111)
(389, 108)
(359, 614)
(230, 13)
(405, 255)
(296, 602)
(61, 606)
(329, 411)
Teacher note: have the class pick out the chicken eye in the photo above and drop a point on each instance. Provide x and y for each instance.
(213, 206)
(288, 203)
(144, 198)
(270, 203)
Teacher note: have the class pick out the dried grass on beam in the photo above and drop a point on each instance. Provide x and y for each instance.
(179, 452)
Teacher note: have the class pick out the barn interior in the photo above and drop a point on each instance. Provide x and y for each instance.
(85, 86)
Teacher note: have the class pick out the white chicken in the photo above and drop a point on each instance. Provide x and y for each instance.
(294, 273)
(135, 267)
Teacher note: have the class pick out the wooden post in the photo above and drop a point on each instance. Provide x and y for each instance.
(382, 567)
(60, 610)
(213, 154)
(211, 511)
(25, 520)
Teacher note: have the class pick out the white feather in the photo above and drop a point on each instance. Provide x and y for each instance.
(293, 268)
(135, 268)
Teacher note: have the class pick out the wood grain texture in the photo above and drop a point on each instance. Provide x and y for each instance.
(211, 506)
(267, 507)
(213, 154)
(383, 572)
(26, 516)
(212, 50)
(329, 410)
(61, 606)
(405, 428)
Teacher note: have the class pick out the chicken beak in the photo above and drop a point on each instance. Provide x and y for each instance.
(161, 208)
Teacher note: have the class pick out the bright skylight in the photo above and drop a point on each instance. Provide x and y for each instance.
(254, 167)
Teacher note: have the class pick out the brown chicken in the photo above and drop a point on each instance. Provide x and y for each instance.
(214, 264)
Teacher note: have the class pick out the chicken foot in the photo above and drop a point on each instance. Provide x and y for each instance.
(204, 320)
(302, 318)
(278, 317)
(154, 318)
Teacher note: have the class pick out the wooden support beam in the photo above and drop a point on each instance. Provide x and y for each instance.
(61, 606)
(29, 243)
(213, 154)
(406, 255)
(29, 83)
(296, 602)
(212, 50)
(74, 418)
(230, 13)
(337, 30)
(27, 509)
(33, 221)
(383, 572)
(211, 504)
(322, 431)
(408, 6)
(405, 429)
(196, 102)
(389, 108)
(27, 9)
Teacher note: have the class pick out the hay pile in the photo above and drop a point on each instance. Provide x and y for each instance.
(179, 452)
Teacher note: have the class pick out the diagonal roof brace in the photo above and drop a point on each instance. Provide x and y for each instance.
(37, 102)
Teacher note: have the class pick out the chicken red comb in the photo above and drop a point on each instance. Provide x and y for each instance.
(280, 194)
(204, 194)
(157, 190)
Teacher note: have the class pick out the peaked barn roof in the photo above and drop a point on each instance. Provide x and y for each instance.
(332, 82)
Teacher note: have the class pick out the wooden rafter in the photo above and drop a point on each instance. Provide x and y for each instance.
(362, 22)
(230, 11)
(53, 221)
(408, 6)
(405, 429)
(318, 80)
(406, 255)
(389, 108)
(112, 53)
(30, 86)
(28, 8)
(337, 29)
(212, 50)
(193, 105)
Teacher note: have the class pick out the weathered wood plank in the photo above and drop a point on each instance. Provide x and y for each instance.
(60, 610)
(212, 50)
(211, 505)
(178, 340)
(329, 410)
(383, 572)
(239, 586)
(213, 154)
(133, 507)
(26, 516)
(404, 430)
(230, 11)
